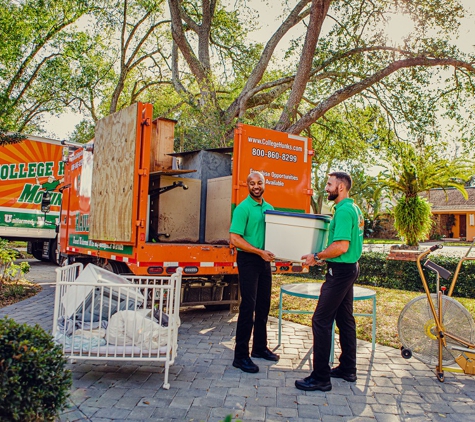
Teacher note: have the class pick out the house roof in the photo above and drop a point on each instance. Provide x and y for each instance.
(451, 199)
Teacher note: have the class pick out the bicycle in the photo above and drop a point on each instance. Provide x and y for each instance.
(435, 328)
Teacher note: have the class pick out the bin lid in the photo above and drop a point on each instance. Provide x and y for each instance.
(325, 218)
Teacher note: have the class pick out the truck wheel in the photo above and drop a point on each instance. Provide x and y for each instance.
(115, 267)
(53, 252)
(37, 250)
(37, 254)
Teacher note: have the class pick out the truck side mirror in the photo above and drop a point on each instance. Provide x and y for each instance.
(45, 202)
(65, 155)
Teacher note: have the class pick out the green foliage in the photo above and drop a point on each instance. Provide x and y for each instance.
(372, 226)
(202, 129)
(412, 219)
(346, 140)
(377, 270)
(14, 290)
(34, 382)
(8, 269)
(229, 418)
(413, 169)
(83, 132)
(218, 74)
(34, 67)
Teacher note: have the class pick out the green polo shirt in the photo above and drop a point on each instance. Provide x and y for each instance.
(249, 221)
(347, 224)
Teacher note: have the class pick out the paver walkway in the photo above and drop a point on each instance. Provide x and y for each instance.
(205, 386)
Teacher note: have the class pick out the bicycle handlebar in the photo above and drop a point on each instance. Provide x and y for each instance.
(427, 252)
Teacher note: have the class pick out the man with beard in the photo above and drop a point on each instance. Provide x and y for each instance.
(247, 233)
(345, 244)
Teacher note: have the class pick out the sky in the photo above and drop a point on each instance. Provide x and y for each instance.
(61, 127)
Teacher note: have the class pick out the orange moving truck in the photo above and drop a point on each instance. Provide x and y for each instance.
(132, 205)
(28, 169)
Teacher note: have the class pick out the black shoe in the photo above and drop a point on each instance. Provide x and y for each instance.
(267, 355)
(246, 365)
(338, 373)
(311, 384)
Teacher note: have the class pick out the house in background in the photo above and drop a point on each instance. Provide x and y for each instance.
(454, 216)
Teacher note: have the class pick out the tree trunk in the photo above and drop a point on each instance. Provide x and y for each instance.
(238, 107)
(318, 13)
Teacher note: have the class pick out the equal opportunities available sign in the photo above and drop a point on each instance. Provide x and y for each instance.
(283, 158)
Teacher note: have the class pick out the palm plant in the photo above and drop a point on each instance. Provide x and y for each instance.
(412, 170)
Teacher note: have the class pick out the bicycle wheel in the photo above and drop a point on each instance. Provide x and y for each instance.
(418, 332)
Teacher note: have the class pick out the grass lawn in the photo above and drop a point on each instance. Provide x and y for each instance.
(381, 241)
(389, 304)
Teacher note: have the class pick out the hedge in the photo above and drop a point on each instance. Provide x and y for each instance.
(376, 270)
(34, 381)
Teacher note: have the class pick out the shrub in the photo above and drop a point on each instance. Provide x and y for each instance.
(34, 383)
(376, 270)
(13, 290)
(412, 219)
(9, 271)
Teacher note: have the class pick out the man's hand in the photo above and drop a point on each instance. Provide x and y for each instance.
(267, 256)
(337, 248)
(310, 260)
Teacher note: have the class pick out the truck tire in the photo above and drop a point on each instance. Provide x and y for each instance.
(115, 267)
(37, 250)
(53, 252)
(38, 254)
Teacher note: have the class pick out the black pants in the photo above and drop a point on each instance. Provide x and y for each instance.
(255, 282)
(335, 304)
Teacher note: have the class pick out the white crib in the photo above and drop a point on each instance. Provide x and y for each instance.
(101, 315)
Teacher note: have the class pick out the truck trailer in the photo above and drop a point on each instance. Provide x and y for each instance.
(133, 205)
(31, 170)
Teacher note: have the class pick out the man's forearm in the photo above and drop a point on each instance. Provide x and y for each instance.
(334, 250)
(241, 243)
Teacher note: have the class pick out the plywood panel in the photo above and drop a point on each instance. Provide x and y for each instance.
(113, 177)
(179, 210)
(218, 210)
(163, 138)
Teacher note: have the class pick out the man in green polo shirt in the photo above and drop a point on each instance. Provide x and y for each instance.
(247, 234)
(345, 244)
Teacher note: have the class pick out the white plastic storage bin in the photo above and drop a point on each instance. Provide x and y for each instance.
(105, 316)
(291, 235)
